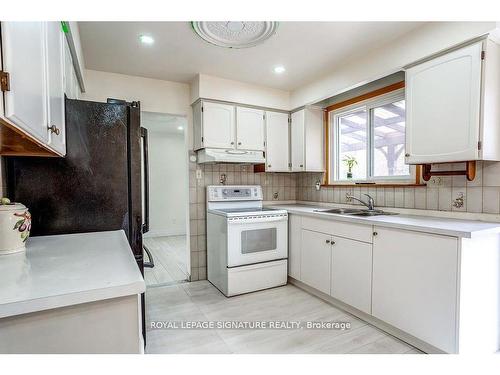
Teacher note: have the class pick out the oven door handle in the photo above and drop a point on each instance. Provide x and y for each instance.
(252, 220)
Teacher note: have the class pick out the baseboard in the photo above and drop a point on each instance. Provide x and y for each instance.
(164, 233)
(396, 332)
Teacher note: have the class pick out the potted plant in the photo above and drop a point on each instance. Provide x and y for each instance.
(350, 162)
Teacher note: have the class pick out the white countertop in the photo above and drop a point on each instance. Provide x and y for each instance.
(65, 270)
(428, 224)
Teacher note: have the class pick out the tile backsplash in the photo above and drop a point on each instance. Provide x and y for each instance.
(447, 193)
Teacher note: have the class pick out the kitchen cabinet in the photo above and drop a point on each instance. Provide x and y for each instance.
(315, 263)
(307, 140)
(351, 269)
(415, 284)
(217, 125)
(452, 106)
(277, 142)
(36, 57)
(249, 129)
(55, 87)
(294, 247)
(24, 58)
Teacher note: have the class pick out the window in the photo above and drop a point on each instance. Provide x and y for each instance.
(368, 140)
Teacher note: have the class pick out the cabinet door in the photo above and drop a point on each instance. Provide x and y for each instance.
(55, 89)
(415, 284)
(352, 273)
(297, 134)
(277, 142)
(443, 107)
(315, 265)
(23, 50)
(249, 129)
(218, 125)
(294, 246)
(314, 140)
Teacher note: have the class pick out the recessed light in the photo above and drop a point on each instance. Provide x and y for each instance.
(279, 69)
(180, 128)
(146, 39)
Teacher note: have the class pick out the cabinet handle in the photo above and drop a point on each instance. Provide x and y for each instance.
(375, 233)
(239, 143)
(232, 143)
(333, 242)
(301, 166)
(269, 165)
(407, 154)
(327, 241)
(54, 129)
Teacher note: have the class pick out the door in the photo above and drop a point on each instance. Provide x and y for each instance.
(297, 139)
(277, 142)
(443, 107)
(255, 240)
(352, 273)
(315, 264)
(23, 51)
(250, 129)
(55, 87)
(314, 142)
(218, 125)
(294, 246)
(415, 284)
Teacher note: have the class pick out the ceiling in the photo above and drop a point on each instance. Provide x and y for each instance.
(308, 50)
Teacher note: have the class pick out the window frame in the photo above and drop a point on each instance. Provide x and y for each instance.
(368, 105)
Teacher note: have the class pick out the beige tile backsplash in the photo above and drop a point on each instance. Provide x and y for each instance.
(480, 196)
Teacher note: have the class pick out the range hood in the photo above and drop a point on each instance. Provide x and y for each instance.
(217, 155)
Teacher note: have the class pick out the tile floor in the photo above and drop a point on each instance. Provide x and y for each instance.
(200, 301)
(169, 254)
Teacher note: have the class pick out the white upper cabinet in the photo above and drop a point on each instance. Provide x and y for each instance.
(277, 142)
(218, 125)
(23, 52)
(307, 140)
(297, 141)
(450, 115)
(55, 84)
(249, 129)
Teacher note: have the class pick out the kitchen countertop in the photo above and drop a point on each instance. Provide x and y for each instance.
(65, 270)
(428, 224)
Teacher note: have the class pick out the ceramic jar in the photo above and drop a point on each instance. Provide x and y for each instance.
(15, 226)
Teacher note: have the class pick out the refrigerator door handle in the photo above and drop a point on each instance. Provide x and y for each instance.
(144, 135)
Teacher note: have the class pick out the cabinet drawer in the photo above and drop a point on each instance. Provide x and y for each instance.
(358, 232)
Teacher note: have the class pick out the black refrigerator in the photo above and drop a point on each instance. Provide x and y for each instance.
(100, 185)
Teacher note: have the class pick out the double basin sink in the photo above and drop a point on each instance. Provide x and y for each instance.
(355, 212)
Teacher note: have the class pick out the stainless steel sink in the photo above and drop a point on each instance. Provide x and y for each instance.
(355, 212)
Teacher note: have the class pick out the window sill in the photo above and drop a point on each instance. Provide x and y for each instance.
(370, 184)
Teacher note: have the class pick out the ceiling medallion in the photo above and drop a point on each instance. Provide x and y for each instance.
(235, 34)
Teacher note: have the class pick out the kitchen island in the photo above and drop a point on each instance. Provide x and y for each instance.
(76, 293)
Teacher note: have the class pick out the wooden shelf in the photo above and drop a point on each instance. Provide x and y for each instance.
(13, 142)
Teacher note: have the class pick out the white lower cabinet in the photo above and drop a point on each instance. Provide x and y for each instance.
(415, 284)
(294, 249)
(315, 264)
(351, 273)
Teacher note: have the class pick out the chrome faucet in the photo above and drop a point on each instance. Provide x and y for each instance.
(370, 204)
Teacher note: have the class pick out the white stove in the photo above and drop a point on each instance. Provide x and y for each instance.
(247, 245)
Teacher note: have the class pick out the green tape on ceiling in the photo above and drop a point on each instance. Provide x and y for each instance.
(64, 27)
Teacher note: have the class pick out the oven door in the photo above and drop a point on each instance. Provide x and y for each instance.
(257, 239)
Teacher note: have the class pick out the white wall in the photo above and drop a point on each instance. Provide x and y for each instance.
(424, 41)
(155, 95)
(210, 87)
(167, 180)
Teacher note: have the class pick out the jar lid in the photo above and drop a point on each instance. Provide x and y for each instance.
(12, 207)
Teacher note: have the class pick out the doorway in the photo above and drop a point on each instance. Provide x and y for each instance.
(165, 244)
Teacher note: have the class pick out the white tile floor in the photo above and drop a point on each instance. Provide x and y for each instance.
(169, 254)
(200, 301)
